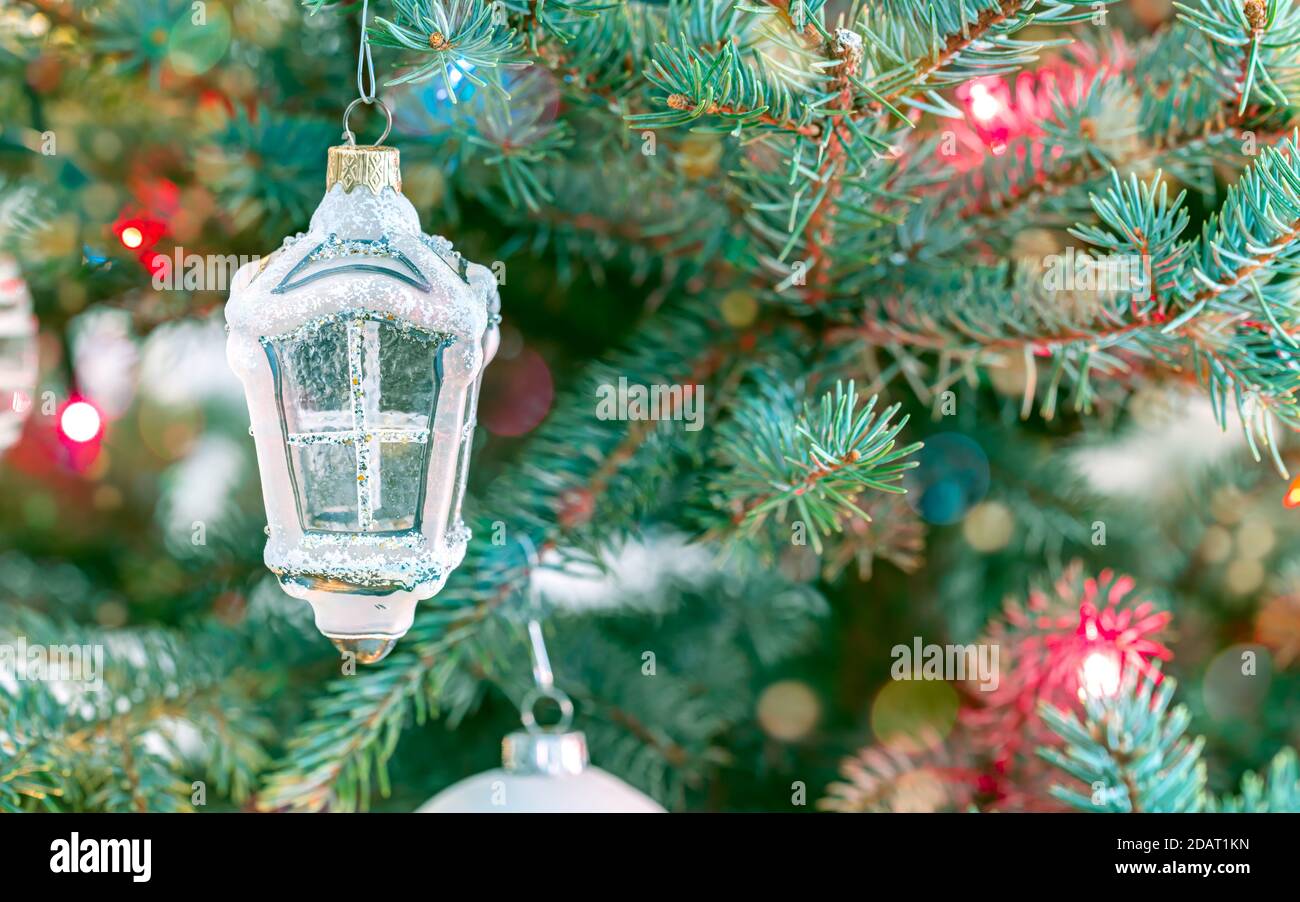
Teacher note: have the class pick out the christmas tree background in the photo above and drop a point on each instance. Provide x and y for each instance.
(795, 208)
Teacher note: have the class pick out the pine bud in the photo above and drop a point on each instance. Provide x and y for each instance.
(1255, 14)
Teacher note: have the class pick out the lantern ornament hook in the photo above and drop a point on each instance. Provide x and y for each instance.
(349, 137)
(365, 61)
(367, 87)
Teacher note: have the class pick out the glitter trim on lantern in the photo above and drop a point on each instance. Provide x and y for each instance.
(438, 244)
(324, 540)
(336, 248)
(268, 259)
(330, 563)
(383, 436)
(363, 440)
(357, 577)
(307, 331)
(443, 250)
(459, 534)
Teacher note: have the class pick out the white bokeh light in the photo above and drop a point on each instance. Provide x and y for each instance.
(1099, 675)
(983, 105)
(80, 421)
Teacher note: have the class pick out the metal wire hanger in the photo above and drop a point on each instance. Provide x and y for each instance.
(366, 73)
(543, 676)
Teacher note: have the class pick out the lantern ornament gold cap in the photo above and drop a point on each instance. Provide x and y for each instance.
(363, 166)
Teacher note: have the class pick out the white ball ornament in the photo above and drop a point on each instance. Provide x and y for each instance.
(543, 772)
(360, 345)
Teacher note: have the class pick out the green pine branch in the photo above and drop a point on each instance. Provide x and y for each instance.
(918, 48)
(464, 36)
(1152, 112)
(1251, 58)
(1130, 753)
(780, 461)
(163, 712)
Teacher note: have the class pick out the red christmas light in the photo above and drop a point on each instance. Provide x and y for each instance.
(140, 233)
(1078, 638)
(80, 427)
(80, 421)
(1000, 110)
(1292, 497)
(137, 233)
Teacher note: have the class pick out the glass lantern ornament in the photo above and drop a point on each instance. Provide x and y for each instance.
(18, 352)
(361, 345)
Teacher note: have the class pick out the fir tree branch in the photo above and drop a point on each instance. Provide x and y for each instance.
(1276, 791)
(90, 750)
(992, 17)
(817, 462)
(922, 47)
(1251, 51)
(463, 35)
(1179, 125)
(1130, 751)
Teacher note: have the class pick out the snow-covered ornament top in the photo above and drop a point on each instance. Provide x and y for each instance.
(360, 345)
(18, 357)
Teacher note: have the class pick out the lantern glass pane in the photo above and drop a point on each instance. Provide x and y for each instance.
(407, 380)
(325, 476)
(399, 490)
(314, 391)
(357, 395)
